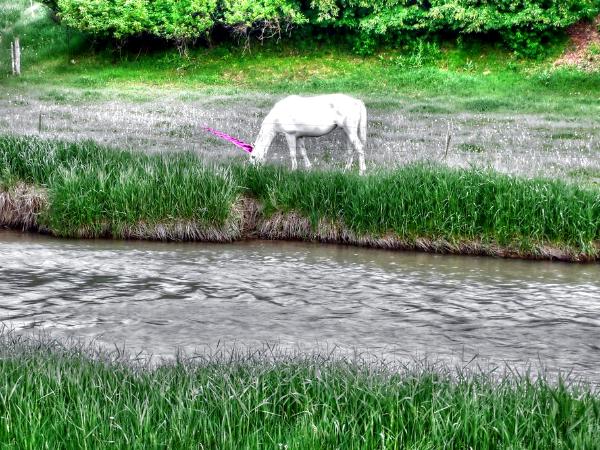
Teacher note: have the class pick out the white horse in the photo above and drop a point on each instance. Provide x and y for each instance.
(299, 117)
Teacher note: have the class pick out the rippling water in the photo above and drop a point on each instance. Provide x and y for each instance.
(160, 297)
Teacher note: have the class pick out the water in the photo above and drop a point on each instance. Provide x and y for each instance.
(158, 298)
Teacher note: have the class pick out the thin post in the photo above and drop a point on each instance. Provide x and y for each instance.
(448, 137)
(12, 57)
(40, 123)
(17, 57)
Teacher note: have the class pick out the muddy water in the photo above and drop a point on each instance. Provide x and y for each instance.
(160, 297)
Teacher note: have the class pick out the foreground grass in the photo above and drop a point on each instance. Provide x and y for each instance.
(74, 396)
(104, 191)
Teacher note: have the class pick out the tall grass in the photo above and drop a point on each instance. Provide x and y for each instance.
(435, 201)
(73, 396)
(105, 190)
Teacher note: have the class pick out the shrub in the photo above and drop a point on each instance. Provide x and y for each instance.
(523, 25)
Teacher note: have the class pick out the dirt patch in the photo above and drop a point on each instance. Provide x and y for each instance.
(20, 206)
(584, 51)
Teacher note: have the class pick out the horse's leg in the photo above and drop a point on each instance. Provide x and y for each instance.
(303, 153)
(291, 140)
(350, 152)
(358, 145)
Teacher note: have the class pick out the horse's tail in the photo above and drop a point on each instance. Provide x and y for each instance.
(362, 123)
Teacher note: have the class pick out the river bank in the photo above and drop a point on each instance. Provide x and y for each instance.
(84, 190)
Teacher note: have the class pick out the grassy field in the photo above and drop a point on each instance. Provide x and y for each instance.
(489, 78)
(76, 396)
(94, 191)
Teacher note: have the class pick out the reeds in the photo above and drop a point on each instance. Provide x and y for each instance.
(430, 206)
(95, 191)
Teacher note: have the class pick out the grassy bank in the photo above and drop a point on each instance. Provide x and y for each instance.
(91, 191)
(75, 396)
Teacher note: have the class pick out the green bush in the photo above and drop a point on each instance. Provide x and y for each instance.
(523, 25)
(181, 21)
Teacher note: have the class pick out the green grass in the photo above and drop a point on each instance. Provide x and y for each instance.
(283, 71)
(435, 201)
(476, 78)
(470, 147)
(103, 190)
(72, 396)
(96, 189)
(41, 38)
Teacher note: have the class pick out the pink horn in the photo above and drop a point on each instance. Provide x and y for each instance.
(243, 145)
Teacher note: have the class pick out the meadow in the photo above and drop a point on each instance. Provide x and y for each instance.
(527, 117)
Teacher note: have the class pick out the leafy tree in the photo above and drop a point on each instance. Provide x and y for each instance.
(116, 18)
(269, 17)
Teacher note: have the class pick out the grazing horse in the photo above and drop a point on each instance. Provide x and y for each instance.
(299, 117)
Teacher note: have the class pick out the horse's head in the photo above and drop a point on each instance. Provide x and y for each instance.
(256, 156)
(253, 158)
(260, 147)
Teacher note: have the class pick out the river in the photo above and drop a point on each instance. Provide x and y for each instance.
(161, 297)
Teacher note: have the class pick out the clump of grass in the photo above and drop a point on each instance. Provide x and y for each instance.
(569, 135)
(96, 191)
(427, 108)
(485, 105)
(432, 201)
(69, 395)
(470, 147)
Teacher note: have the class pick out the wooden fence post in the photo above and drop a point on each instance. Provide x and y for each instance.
(17, 57)
(12, 57)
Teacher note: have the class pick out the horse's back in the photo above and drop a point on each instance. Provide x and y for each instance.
(317, 104)
(315, 115)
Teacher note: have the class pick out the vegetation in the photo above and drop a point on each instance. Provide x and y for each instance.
(42, 39)
(521, 25)
(75, 396)
(104, 191)
(436, 202)
(471, 74)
